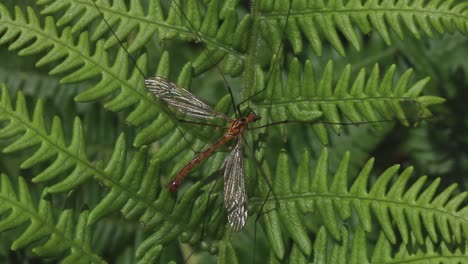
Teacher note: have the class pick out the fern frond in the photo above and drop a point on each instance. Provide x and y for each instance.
(171, 227)
(397, 208)
(315, 20)
(52, 145)
(428, 61)
(354, 248)
(84, 65)
(134, 196)
(365, 99)
(73, 56)
(318, 20)
(151, 205)
(17, 77)
(131, 192)
(60, 237)
(226, 39)
(442, 252)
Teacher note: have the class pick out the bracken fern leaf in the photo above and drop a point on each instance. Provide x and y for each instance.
(78, 57)
(364, 102)
(397, 208)
(318, 20)
(62, 236)
(52, 145)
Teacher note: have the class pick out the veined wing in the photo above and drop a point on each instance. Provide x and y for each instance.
(180, 99)
(235, 198)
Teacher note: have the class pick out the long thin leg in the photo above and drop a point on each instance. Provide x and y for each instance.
(339, 123)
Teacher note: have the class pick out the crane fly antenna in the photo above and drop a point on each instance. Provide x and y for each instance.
(119, 40)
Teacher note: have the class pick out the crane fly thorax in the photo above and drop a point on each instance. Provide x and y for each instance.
(239, 125)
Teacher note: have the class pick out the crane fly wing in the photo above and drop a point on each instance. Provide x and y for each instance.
(180, 99)
(235, 197)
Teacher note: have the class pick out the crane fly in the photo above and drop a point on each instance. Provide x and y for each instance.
(186, 103)
(235, 197)
(182, 101)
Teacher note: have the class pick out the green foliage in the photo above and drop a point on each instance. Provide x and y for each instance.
(98, 156)
(64, 235)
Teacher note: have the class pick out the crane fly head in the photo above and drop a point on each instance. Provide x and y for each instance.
(252, 117)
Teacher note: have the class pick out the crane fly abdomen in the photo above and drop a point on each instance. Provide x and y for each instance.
(174, 184)
(236, 128)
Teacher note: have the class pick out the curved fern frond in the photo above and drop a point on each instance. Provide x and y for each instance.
(396, 207)
(302, 98)
(70, 160)
(128, 192)
(318, 20)
(354, 248)
(134, 186)
(361, 101)
(442, 252)
(225, 37)
(167, 229)
(327, 250)
(133, 195)
(52, 144)
(63, 236)
(315, 20)
(133, 93)
(153, 206)
(84, 65)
